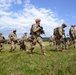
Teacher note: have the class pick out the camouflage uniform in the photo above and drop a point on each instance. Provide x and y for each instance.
(51, 41)
(23, 41)
(13, 40)
(59, 38)
(2, 39)
(36, 30)
(72, 34)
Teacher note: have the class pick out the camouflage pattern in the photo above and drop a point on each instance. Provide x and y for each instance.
(2, 39)
(59, 38)
(13, 40)
(23, 41)
(35, 32)
(72, 34)
(51, 41)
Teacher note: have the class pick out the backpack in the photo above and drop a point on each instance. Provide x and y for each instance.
(31, 30)
(2, 39)
(70, 32)
(56, 31)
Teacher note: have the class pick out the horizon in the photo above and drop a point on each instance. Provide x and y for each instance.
(21, 14)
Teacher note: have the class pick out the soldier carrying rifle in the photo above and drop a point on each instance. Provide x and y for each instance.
(35, 32)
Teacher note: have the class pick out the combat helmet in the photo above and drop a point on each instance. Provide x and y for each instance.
(64, 25)
(73, 25)
(37, 20)
(0, 33)
(14, 30)
(25, 33)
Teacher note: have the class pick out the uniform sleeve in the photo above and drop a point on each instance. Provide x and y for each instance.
(35, 28)
(10, 35)
(60, 32)
(72, 31)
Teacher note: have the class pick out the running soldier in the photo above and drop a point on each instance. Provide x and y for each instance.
(72, 34)
(35, 32)
(59, 37)
(51, 41)
(23, 41)
(13, 40)
(2, 39)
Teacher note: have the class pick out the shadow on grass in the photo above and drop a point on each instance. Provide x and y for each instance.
(54, 50)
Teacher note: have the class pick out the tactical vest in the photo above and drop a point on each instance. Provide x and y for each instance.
(12, 37)
(2, 39)
(56, 31)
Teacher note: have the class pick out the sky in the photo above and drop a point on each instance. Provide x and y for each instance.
(21, 14)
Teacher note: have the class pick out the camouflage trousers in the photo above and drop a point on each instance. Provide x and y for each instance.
(40, 42)
(72, 41)
(13, 46)
(1, 46)
(51, 43)
(23, 45)
(61, 43)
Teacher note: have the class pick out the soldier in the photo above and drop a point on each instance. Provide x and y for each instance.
(72, 34)
(13, 40)
(51, 40)
(59, 37)
(35, 32)
(2, 39)
(23, 41)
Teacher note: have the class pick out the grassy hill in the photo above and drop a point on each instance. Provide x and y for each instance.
(23, 63)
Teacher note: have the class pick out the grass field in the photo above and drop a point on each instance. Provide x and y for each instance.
(23, 63)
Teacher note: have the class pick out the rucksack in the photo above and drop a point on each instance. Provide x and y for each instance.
(70, 32)
(2, 39)
(56, 31)
(31, 30)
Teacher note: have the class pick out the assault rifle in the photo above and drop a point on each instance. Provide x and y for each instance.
(42, 31)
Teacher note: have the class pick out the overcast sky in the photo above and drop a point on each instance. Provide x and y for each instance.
(21, 14)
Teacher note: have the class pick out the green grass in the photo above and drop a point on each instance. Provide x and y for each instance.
(23, 63)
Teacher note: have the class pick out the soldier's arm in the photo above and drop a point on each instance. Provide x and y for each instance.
(60, 31)
(35, 28)
(72, 31)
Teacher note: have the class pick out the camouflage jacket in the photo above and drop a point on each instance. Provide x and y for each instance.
(12, 37)
(59, 33)
(36, 30)
(72, 32)
(2, 39)
(24, 38)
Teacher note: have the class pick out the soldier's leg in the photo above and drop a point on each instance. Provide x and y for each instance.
(57, 44)
(49, 43)
(1, 46)
(71, 41)
(63, 46)
(26, 48)
(40, 42)
(12, 46)
(32, 45)
(66, 45)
